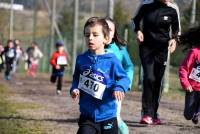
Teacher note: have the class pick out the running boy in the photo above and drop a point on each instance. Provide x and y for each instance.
(189, 74)
(58, 62)
(10, 54)
(99, 81)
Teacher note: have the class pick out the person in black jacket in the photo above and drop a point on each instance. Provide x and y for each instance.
(10, 54)
(159, 33)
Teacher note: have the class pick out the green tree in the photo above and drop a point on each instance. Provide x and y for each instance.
(120, 16)
(122, 19)
(65, 22)
(4, 26)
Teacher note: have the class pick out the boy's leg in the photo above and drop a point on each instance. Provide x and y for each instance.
(59, 83)
(198, 100)
(53, 78)
(122, 127)
(87, 126)
(190, 105)
(109, 126)
(7, 71)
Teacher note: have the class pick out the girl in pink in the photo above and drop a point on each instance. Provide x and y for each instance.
(189, 74)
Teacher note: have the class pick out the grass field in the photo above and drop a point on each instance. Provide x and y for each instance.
(10, 121)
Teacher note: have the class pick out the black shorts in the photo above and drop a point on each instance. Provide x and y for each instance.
(192, 104)
(87, 126)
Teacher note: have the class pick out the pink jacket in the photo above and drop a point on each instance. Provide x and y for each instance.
(185, 70)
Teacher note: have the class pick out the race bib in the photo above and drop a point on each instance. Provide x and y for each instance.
(92, 87)
(195, 73)
(61, 60)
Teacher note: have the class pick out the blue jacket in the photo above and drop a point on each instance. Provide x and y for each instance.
(124, 58)
(107, 70)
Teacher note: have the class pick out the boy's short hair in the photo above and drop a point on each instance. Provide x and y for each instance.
(9, 41)
(98, 21)
(60, 43)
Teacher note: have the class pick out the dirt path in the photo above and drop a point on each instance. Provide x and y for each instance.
(59, 114)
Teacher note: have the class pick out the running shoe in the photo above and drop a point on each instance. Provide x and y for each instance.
(146, 120)
(195, 118)
(157, 121)
(58, 92)
(123, 128)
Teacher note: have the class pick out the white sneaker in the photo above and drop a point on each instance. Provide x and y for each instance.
(58, 92)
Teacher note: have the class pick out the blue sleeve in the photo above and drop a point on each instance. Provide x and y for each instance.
(122, 80)
(76, 75)
(127, 65)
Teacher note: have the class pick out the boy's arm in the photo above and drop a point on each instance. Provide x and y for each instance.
(75, 80)
(184, 69)
(53, 60)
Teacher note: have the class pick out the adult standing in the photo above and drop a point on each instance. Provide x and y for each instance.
(160, 30)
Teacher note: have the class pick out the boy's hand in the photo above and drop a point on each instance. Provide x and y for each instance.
(118, 95)
(189, 89)
(75, 94)
(57, 66)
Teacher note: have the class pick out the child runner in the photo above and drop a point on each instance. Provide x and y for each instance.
(19, 54)
(34, 55)
(10, 54)
(189, 74)
(118, 47)
(99, 81)
(1, 57)
(59, 61)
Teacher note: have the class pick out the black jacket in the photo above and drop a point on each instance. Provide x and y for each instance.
(158, 18)
(10, 54)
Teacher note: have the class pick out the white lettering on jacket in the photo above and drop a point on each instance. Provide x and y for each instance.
(93, 75)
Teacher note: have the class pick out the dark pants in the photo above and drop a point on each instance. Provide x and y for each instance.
(59, 80)
(9, 66)
(87, 126)
(192, 104)
(153, 62)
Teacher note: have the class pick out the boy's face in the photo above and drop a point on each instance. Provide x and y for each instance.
(94, 38)
(60, 49)
(17, 42)
(10, 45)
(111, 30)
